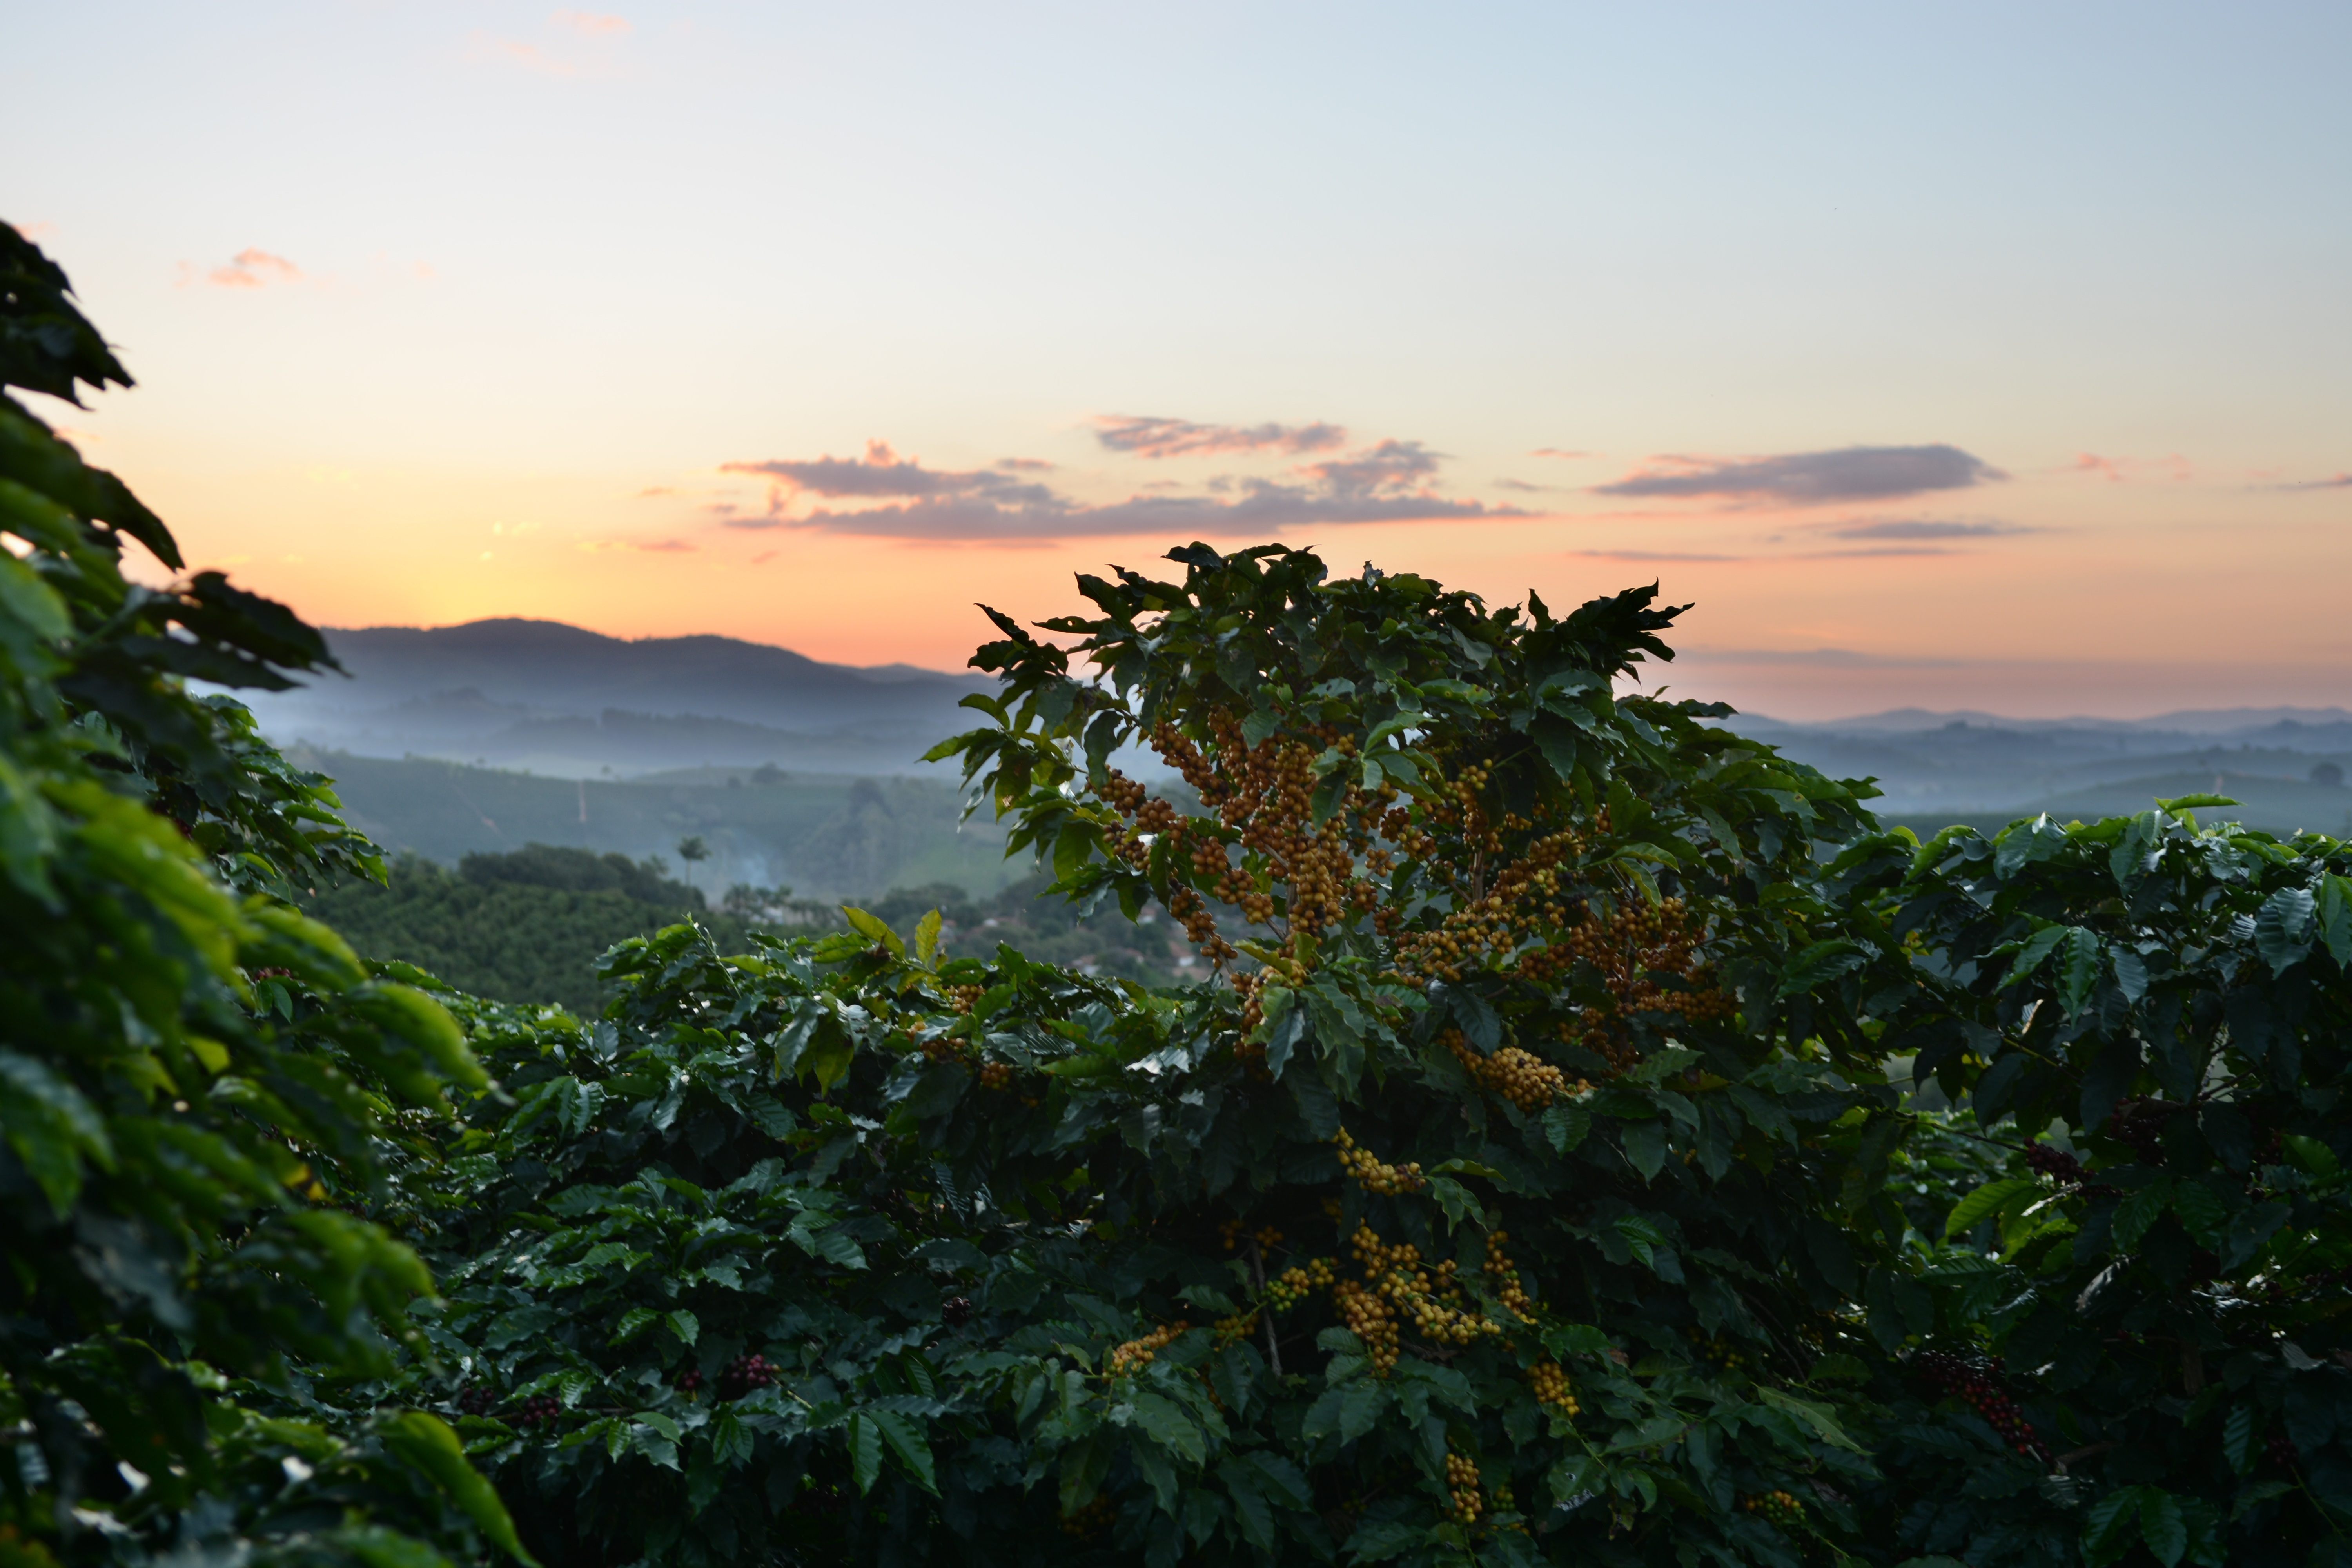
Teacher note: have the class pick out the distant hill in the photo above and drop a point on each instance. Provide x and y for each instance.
(2284, 765)
(558, 698)
(542, 697)
(824, 834)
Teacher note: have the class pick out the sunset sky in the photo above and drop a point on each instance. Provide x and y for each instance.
(1990, 356)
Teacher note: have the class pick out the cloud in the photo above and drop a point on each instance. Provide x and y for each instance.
(882, 475)
(2340, 482)
(590, 23)
(248, 268)
(1556, 452)
(639, 546)
(2117, 470)
(1652, 555)
(1923, 528)
(1874, 553)
(1812, 479)
(1146, 437)
(1829, 658)
(1522, 487)
(1386, 483)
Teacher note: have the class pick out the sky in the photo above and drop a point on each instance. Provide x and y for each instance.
(1993, 357)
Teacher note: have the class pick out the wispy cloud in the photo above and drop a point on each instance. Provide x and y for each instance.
(1811, 478)
(248, 268)
(1828, 658)
(2340, 482)
(1521, 487)
(1923, 528)
(1652, 555)
(2119, 470)
(1149, 436)
(1389, 482)
(639, 546)
(590, 23)
(1557, 452)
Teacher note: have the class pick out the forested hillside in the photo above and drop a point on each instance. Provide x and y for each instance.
(528, 927)
(826, 836)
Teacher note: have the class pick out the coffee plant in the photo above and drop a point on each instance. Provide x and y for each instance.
(2130, 1339)
(197, 1084)
(1496, 1201)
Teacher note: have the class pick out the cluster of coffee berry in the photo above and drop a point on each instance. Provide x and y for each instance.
(2140, 1127)
(1719, 1350)
(2055, 1163)
(689, 1381)
(1523, 1078)
(1293, 1285)
(1978, 1381)
(1549, 1380)
(1779, 1507)
(1462, 1481)
(2282, 1451)
(744, 1374)
(1089, 1522)
(1136, 1355)
(964, 998)
(1386, 1180)
(539, 1410)
(1230, 1231)
(956, 1311)
(996, 1075)
(1503, 1277)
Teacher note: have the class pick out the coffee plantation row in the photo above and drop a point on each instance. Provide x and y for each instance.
(1555, 1165)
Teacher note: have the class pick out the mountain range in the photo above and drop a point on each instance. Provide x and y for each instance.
(556, 700)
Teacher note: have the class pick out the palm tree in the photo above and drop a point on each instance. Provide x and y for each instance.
(691, 849)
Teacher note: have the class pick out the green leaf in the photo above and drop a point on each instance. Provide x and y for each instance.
(864, 1435)
(2182, 804)
(874, 931)
(2334, 917)
(2238, 1433)
(1168, 1426)
(2310, 1155)
(1818, 1417)
(425, 1442)
(2162, 1526)
(52, 1128)
(2081, 954)
(2110, 1524)
(1359, 1409)
(2284, 927)
(2140, 1210)
(927, 937)
(684, 1325)
(1645, 1147)
(1821, 962)
(906, 1441)
(1988, 1201)
(381, 1548)
(1565, 1123)
(2036, 952)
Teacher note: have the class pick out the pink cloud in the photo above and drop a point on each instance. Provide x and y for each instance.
(2119, 470)
(891, 497)
(644, 547)
(1809, 478)
(1556, 452)
(1148, 435)
(248, 268)
(590, 23)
